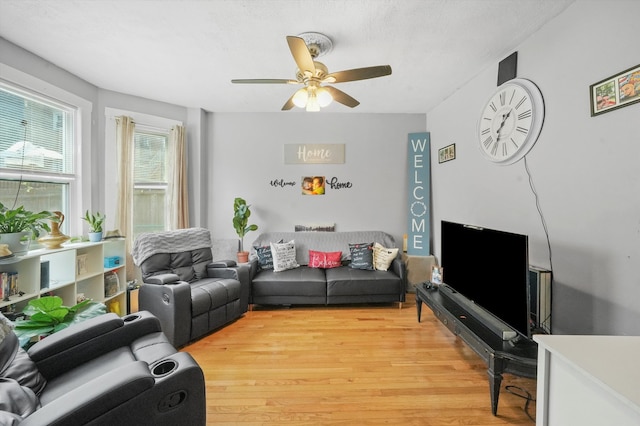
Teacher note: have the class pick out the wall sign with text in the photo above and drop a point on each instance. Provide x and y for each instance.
(312, 185)
(419, 211)
(313, 153)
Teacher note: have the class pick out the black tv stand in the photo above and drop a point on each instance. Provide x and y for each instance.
(517, 355)
(493, 323)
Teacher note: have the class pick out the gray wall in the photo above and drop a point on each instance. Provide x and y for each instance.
(246, 152)
(585, 170)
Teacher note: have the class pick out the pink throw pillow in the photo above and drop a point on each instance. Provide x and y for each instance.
(324, 260)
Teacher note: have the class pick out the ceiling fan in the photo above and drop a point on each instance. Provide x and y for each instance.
(315, 76)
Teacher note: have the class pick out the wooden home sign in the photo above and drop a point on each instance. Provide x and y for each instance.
(313, 153)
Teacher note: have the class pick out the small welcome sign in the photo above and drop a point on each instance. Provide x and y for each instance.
(313, 153)
(419, 234)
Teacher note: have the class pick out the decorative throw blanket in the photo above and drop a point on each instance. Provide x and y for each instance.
(6, 327)
(146, 245)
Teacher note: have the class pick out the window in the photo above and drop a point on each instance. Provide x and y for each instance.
(151, 175)
(151, 183)
(36, 150)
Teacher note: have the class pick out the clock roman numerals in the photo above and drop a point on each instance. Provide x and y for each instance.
(503, 97)
(525, 114)
(494, 149)
(522, 130)
(487, 142)
(523, 100)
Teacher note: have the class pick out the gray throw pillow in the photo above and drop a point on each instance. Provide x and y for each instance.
(265, 258)
(361, 256)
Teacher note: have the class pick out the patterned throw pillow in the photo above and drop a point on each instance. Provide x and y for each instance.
(361, 256)
(265, 258)
(324, 260)
(284, 256)
(382, 256)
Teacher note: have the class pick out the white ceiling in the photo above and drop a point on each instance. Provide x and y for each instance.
(186, 52)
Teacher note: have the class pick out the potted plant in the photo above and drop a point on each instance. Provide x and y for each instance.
(241, 213)
(48, 315)
(95, 222)
(19, 226)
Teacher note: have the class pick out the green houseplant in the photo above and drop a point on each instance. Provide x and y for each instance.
(19, 226)
(95, 221)
(241, 214)
(48, 315)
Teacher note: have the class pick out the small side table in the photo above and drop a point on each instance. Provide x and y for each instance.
(418, 269)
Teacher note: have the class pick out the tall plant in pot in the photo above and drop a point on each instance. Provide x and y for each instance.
(241, 213)
(95, 221)
(19, 226)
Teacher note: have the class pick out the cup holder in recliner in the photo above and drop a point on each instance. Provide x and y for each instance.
(130, 318)
(164, 367)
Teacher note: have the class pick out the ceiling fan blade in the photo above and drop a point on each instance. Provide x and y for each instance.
(301, 54)
(265, 81)
(289, 104)
(359, 74)
(343, 98)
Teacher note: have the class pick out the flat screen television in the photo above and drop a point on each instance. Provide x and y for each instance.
(489, 267)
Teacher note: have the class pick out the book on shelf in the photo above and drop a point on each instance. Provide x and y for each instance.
(8, 285)
(111, 284)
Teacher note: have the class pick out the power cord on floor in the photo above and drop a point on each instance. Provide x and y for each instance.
(524, 394)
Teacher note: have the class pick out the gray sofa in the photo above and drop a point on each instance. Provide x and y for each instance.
(106, 370)
(189, 293)
(314, 286)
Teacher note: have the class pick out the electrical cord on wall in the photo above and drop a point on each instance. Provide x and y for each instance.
(542, 219)
(544, 226)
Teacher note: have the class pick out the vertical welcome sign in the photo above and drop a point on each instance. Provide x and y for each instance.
(419, 235)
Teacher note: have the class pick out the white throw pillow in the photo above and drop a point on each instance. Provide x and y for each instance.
(284, 256)
(382, 256)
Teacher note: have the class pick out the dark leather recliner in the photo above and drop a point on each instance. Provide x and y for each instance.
(106, 370)
(190, 293)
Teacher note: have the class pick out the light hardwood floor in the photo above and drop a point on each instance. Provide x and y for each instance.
(349, 365)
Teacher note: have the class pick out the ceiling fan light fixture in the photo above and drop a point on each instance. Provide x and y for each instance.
(312, 102)
(300, 98)
(324, 97)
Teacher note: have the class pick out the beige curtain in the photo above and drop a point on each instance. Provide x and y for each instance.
(177, 195)
(125, 128)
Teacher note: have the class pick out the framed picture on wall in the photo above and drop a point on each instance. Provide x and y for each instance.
(447, 153)
(616, 91)
(81, 264)
(313, 185)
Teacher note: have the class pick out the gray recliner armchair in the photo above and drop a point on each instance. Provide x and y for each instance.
(190, 293)
(106, 370)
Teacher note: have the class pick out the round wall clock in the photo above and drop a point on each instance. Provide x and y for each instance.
(511, 121)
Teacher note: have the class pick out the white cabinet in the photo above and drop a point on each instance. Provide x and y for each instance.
(74, 271)
(588, 380)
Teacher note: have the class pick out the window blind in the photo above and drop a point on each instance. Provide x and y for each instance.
(36, 134)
